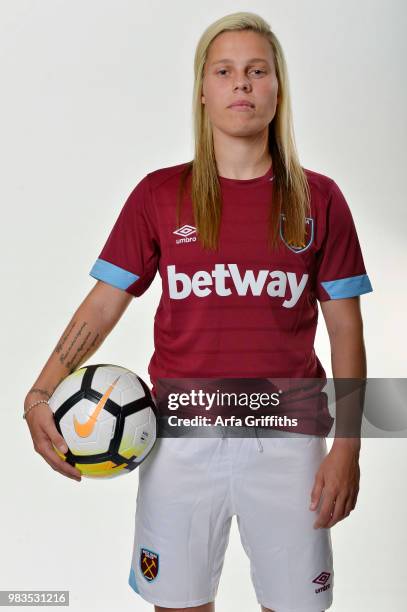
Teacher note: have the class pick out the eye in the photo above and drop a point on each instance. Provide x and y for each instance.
(258, 71)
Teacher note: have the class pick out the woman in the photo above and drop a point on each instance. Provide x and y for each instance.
(246, 242)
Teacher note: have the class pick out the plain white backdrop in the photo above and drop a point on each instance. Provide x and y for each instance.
(95, 94)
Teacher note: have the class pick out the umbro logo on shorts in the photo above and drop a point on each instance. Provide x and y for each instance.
(149, 562)
(322, 579)
(275, 282)
(186, 232)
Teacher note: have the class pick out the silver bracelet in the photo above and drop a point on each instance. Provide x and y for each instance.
(41, 401)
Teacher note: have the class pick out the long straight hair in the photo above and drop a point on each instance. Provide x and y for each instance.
(290, 195)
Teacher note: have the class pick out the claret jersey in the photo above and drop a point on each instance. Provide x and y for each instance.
(244, 310)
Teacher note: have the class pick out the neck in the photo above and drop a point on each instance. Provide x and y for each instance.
(241, 158)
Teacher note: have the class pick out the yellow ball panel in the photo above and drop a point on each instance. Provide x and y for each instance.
(105, 469)
(135, 450)
(96, 470)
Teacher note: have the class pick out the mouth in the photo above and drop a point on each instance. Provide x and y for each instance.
(241, 105)
(241, 108)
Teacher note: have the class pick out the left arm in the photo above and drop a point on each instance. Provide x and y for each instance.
(338, 475)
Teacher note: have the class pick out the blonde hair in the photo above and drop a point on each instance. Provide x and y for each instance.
(290, 190)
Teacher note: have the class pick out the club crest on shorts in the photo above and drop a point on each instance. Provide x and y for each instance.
(149, 562)
(309, 235)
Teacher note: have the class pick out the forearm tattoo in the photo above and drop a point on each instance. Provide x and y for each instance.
(75, 345)
(82, 352)
(80, 346)
(61, 345)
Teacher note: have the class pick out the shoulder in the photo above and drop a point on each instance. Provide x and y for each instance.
(152, 189)
(166, 178)
(320, 184)
(326, 196)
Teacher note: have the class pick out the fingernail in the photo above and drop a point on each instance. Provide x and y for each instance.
(63, 448)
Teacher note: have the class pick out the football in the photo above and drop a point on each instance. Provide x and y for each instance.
(107, 416)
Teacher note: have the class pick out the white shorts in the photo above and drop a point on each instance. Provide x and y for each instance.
(189, 490)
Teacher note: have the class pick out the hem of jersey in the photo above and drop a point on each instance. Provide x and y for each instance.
(126, 290)
(108, 282)
(342, 297)
(165, 603)
(316, 608)
(112, 274)
(347, 287)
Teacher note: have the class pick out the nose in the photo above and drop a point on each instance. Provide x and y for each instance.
(242, 83)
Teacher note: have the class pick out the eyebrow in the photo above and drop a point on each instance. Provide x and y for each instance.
(253, 59)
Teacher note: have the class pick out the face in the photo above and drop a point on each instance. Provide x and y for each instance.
(240, 67)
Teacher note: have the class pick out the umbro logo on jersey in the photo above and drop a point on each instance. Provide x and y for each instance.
(275, 282)
(322, 578)
(186, 232)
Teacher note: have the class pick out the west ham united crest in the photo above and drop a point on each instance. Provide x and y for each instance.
(309, 235)
(149, 561)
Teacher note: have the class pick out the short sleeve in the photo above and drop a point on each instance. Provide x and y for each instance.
(341, 270)
(129, 258)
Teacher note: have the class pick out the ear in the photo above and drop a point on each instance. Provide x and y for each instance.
(203, 99)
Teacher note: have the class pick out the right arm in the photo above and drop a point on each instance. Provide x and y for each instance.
(91, 323)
